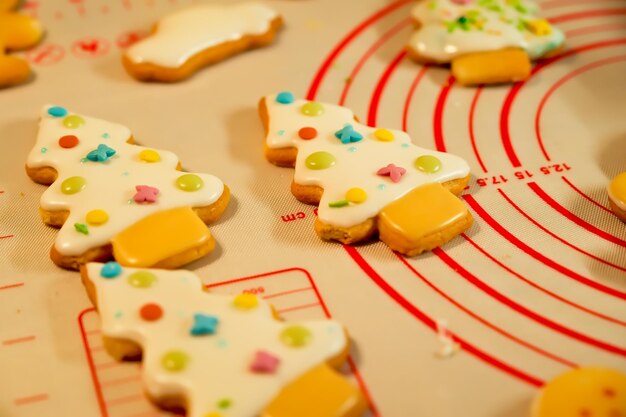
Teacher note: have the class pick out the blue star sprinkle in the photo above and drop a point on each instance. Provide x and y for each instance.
(102, 154)
(348, 135)
(203, 324)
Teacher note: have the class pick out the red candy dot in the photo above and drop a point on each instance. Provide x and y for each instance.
(307, 133)
(68, 141)
(151, 312)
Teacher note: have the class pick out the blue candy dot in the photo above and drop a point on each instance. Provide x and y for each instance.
(286, 97)
(57, 111)
(110, 270)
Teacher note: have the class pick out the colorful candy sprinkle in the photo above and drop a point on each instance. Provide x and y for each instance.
(356, 195)
(81, 228)
(101, 154)
(224, 403)
(175, 360)
(320, 160)
(142, 279)
(264, 362)
(151, 312)
(213, 414)
(148, 155)
(312, 109)
(57, 111)
(428, 164)
(68, 141)
(348, 135)
(285, 97)
(384, 135)
(97, 217)
(246, 301)
(393, 172)
(189, 182)
(73, 185)
(73, 122)
(145, 194)
(539, 27)
(338, 203)
(296, 336)
(110, 270)
(307, 133)
(203, 324)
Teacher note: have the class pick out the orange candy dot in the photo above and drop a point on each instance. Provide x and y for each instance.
(307, 133)
(68, 141)
(151, 312)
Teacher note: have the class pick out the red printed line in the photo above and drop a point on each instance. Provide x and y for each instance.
(349, 38)
(490, 325)
(268, 274)
(92, 367)
(438, 117)
(380, 87)
(125, 400)
(593, 29)
(571, 216)
(280, 294)
(560, 3)
(587, 14)
(429, 322)
(121, 381)
(409, 97)
(7, 236)
(538, 256)
(584, 195)
(472, 112)
(540, 288)
(17, 340)
(361, 382)
(300, 307)
(30, 399)
(368, 54)
(8, 287)
(526, 312)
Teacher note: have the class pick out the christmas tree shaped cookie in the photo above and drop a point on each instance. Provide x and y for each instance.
(365, 179)
(113, 199)
(17, 32)
(218, 355)
(486, 41)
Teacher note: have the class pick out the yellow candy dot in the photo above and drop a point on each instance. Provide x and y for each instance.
(72, 185)
(97, 217)
(539, 27)
(175, 361)
(73, 122)
(428, 164)
(312, 109)
(189, 182)
(213, 415)
(246, 301)
(148, 155)
(356, 195)
(296, 336)
(384, 135)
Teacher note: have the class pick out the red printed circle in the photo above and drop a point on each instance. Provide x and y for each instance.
(68, 141)
(151, 312)
(307, 133)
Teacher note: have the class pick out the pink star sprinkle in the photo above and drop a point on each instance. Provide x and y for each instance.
(392, 171)
(145, 194)
(264, 362)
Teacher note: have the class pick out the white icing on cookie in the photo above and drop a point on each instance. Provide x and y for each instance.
(110, 185)
(219, 364)
(182, 34)
(356, 163)
(489, 25)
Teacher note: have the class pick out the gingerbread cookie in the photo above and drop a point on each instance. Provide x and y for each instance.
(365, 180)
(219, 355)
(16, 32)
(617, 195)
(113, 199)
(190, 39)
(583, 392)
(486, 41)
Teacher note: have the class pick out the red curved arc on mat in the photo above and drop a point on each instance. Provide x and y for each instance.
(409, 97)
(538, 256)
(513, 92)
(593, 29)
(472, 112)
(418, 314)
(561, 82)
(372, 114)
(321, 73)
(560, 3)
(92, 367)
(540, 288)
(526, 312)
(571, 216)
(586, 14)
(368, 54)
(485, 322)
(608, 210)
(438, 116)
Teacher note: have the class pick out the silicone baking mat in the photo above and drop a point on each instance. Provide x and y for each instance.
(536, 287)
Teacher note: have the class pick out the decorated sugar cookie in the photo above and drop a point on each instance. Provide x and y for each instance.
(486, 41)
(189, 39)
(617, 195)
(365, 179)
(218, 355)
(17, 32)
(113, 199)
(583, 392)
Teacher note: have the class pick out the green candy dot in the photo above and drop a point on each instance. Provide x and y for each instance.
(72, 185)
(175, 361)
(142, 279)
(189, 182)
(428, 164)
(224, 403)
(320, 160)
(73, 122)
(296, 336)
(312, 109)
